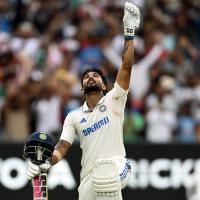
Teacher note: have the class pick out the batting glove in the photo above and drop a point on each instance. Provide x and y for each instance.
(131, 19)
(45, 167)
(33, 170)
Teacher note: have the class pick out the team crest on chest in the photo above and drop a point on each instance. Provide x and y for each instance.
(102, 108)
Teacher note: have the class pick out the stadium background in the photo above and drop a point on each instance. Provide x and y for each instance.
(45, 46)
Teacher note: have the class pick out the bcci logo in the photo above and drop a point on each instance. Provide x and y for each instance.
(102, 108)
(43, 136)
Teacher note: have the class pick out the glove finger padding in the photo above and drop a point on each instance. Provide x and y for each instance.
(30, 175)
(45, 167)
(33, 170)
(131, 19)
(33, 166)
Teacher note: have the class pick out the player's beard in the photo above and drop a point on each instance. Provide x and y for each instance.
(92, 88)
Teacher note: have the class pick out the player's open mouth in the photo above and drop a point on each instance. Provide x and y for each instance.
(91, 83)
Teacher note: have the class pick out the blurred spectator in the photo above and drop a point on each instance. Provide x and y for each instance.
(47, 111)
(16, 117)
(161, 116)
(46, 45)
(186, 124)
(134, 122)
(5, 21)
(197, 131)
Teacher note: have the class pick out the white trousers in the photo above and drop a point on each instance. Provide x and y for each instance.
(85, 189)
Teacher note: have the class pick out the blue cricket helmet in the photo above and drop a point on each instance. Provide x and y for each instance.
(38, 148)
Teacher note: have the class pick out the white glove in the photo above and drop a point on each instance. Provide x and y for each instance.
(131, 19)
(34, 170)
(46, 166)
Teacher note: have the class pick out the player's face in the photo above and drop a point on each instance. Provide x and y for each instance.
(92, 82)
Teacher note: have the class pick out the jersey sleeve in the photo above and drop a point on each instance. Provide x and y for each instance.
(118, 93)
(69, 131)
(118, 96)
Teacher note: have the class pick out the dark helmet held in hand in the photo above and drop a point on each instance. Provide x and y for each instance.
(38, 148)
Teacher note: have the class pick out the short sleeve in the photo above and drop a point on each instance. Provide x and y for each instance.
(69, 131)
(118, 92)
(117, 97)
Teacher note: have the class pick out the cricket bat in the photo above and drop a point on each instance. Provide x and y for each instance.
(40, 188)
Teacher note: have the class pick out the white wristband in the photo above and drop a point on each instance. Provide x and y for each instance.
(57, 154)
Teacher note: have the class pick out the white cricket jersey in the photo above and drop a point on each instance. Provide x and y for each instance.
(101, 130)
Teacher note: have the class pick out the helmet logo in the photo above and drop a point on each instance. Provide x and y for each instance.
(43, 136)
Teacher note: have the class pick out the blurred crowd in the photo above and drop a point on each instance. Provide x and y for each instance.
(46, 45)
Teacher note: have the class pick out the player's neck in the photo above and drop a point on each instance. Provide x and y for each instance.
(92, 99)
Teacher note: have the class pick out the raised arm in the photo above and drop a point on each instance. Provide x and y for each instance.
(131, 21)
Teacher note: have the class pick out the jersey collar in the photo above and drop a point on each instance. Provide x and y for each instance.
(85, 107)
